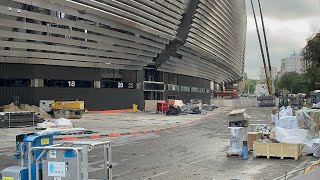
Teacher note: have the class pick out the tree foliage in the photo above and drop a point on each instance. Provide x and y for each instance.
(293, 80)
(311, 53)
(245, 76)
(311, 56)
(251, 84)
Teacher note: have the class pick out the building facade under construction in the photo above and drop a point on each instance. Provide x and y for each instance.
(115, 53)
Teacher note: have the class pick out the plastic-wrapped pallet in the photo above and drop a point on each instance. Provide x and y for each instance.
(284, 111)
(287, 122)
(237, 136)
(306, 122)
(291, 136)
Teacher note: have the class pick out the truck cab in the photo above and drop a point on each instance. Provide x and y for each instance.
(315, 95)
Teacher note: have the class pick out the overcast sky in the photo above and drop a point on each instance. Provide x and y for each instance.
(288, 24)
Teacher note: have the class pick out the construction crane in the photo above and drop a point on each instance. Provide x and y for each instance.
(266, 70)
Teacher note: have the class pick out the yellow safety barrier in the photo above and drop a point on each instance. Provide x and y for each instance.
(312, 167)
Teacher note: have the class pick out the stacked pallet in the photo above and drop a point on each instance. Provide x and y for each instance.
(18, 119)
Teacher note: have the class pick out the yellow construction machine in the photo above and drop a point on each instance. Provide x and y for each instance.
(68, 109)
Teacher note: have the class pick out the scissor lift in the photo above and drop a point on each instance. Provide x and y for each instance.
(69, 160)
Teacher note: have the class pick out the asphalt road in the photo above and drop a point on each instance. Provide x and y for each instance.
(195, 151)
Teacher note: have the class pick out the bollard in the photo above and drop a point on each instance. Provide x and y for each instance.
(134, 108)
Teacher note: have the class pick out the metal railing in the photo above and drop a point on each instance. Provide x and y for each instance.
(304, 170)
(81, 149)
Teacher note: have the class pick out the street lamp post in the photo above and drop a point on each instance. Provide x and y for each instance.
(297, 83)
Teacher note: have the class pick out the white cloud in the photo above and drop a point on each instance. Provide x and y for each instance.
(288, 24)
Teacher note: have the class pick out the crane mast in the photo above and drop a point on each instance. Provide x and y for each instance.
(261, 49)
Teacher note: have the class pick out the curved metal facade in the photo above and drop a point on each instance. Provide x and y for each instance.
(127, 34)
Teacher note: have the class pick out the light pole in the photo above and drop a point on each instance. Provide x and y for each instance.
(297, 83)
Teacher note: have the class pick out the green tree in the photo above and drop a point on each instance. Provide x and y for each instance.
(293, 79)
(245, 76)
(251, 83)
(311, 56)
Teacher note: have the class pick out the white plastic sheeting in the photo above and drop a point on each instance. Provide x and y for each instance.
(284, 111)
(237, 136)
(291, 136)
(59, 123)
(312, 147)
(306, 122)
(45, 125)
(287, 110)
(62, 122)
(287, 122)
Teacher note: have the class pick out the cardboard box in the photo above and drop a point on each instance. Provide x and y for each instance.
(252, 137)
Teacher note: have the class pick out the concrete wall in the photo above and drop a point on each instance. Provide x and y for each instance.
(187, 96)
(235, 103)
(95, 99)
(151, 105)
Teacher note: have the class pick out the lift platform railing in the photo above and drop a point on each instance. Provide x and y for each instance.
(77, 159)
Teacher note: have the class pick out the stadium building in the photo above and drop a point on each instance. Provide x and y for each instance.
(114, 53)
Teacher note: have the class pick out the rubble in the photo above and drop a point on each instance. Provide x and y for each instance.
(44, 115)
(10, 108)
(36, 109)
(173, 110)
(208, 107)
(26, 107)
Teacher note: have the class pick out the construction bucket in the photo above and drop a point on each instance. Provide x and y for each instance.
(134, 107)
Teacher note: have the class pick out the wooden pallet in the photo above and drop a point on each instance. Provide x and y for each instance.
(268, 157)
(232, 154)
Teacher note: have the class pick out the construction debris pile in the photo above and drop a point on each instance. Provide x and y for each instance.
(290, 134)
(25, 107)
(177, 107)
(25, 115)
(293, 134)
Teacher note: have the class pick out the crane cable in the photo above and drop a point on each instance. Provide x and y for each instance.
(267, 49)
(262, 52)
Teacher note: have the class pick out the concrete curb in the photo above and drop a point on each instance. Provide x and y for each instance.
(99, 136)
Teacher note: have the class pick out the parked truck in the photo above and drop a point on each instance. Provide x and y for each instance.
(315, 95)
